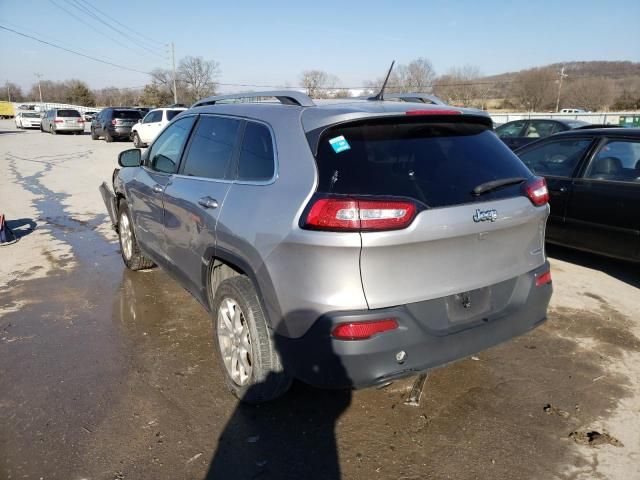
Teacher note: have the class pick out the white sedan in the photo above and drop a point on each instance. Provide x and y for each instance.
(28, 120)
(143, 132)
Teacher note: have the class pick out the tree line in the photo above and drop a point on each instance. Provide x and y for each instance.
(535, 89)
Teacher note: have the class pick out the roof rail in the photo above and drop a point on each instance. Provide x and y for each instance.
(286, 97)
(416, 97)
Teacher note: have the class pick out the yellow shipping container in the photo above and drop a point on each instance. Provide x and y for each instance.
(6, 110)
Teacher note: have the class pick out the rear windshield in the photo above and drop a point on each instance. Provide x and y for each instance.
(134, 114)
(438, 164)
(173, 113)
(68, 113)
(31, 115)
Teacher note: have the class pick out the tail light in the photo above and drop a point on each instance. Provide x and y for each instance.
(80, 120)
(58, 120)
(114, 121)
(363, 330)
(543, 278)
(537, 191)
(348, 214)
(439, 111)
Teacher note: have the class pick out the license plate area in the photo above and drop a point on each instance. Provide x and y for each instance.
(466, 306)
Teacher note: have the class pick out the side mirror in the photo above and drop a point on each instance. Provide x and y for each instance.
(130, 158)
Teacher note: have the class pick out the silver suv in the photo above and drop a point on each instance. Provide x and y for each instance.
(344, 244)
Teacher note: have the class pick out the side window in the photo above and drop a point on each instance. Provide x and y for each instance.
(511, 129)
(153, 117)
(556, 159)
(164, 154)
(617, 160)
(256, 161)
(540, 129)
(212, 147)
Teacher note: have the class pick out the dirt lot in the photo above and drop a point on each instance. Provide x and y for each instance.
(109, 374)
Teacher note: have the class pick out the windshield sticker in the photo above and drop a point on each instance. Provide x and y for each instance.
(339, 144)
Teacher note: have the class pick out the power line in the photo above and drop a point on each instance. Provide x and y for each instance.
(93, 28)
(122, 24)
(85, 10)
(73, 51)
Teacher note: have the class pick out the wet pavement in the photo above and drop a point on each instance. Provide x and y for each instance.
(110, 374)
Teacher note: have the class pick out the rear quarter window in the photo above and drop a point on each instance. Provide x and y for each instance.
(437, 163)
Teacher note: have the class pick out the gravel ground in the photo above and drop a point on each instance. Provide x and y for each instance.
(110, 374)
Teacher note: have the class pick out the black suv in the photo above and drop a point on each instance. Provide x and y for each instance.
(114, 122)
(594, 185)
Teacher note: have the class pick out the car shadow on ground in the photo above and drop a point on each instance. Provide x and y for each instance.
(21, 227)
(292, 437)
(10, 132)
(624, 271)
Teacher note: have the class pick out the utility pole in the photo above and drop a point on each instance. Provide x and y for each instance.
(562, 75)
(39, 75)
(173, 63)
(8, 91)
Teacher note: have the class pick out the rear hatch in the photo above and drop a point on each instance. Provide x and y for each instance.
(126, 118)
(425, 232)
(69, 118)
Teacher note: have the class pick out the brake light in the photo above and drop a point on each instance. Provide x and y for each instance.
(348, 214)
(543, 278)
(113, 122)
(439, 111)
(363, 330)
(537, 191)
(58, 120)
(80, 120)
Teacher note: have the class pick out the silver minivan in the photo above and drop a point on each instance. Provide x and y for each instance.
(345, 244)
(62, 120)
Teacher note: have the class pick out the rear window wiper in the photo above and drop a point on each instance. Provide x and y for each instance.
(495, 184)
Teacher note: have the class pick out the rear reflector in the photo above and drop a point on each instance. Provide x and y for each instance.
(363, 330)
(537, 191)
(57, 120)
(543, 278)
(347, 214)
(438, 111)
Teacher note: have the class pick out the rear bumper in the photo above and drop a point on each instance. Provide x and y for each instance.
(427, 340)
(69, 128)
(120, 131)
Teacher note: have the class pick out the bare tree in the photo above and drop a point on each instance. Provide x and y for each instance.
(163, 78)
(534, 89)
(11, 91)
(417, 76)
(589, 93)
(314, 81)
(461, 86)
(198, 76)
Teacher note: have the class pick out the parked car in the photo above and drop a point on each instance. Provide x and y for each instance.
(89, 116)
(594, 183)
(28, 120)
(346, 245)
(520, 132)
(143, 132)
(62, 120)
(114, 122)
(573, 110)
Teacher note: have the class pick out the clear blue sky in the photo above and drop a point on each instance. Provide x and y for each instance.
(271, 42)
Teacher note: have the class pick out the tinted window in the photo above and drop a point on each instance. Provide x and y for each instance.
(511, 129)
(617, 160)
(130, 114)
(212, 147)
(30, 115)
(152, 117)
(256, 156)
(556, 158)
(164, 154)
(436, 163)
(173, 113)
(68, 113)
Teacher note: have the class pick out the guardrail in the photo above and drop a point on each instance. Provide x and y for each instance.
(608, 118)
(44, 106)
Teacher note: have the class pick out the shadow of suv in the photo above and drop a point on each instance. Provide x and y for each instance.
(113, 122)
(398, 236)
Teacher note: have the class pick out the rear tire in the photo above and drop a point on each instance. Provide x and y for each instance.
(93, 135)
(245, 346)
(107, 137)
(131, 255)
(53, 130)
(136, 140)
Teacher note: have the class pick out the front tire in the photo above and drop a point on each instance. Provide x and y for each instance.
(136, 140)
(245, 345)
(129, 249)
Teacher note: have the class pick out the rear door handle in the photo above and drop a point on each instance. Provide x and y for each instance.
(157, 188)
(208, 202)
